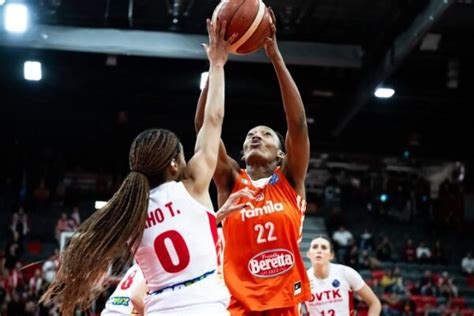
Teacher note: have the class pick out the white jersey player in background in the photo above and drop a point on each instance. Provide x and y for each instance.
(332, 285)
(128, 297)
(162, 214)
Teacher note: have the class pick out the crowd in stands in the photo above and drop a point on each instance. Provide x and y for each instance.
(400, 295)
(384, 196)
(21, 282)
(400, 228)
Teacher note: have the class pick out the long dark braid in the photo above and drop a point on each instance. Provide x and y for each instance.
(112, 233)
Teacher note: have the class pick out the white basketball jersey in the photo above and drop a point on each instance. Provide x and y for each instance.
(333, 296)
(179, 241)
(132, 287)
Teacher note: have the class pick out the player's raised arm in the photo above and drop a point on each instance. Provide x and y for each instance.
(202, 165)
(297, 140)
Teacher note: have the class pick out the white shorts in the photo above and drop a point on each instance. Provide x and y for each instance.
(208, 297)
(210, 309)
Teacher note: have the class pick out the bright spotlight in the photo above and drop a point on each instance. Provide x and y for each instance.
(2, 2)
(99, 204)
(383, 198)
(204, 77)
(384, 93)
(16, 17)
(32, 70)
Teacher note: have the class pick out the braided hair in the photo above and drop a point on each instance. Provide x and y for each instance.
(111, 234)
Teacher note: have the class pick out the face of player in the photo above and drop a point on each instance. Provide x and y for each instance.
(178, 164)
(262, 144)
(320, 251)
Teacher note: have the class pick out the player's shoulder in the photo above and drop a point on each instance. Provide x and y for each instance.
(341, 269)
(349, 273)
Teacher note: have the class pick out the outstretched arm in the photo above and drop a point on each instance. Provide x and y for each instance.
(226, 166)
(202, 165)
(297, 140)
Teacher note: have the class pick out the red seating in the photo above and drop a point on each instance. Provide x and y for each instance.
(470, 281)
(464, 312)
(421, 301)
(34, 247)
(377, 274)
(457, 302)
(28, 270)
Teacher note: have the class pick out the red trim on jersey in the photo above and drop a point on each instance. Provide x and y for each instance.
(351, 302)
(213, 226)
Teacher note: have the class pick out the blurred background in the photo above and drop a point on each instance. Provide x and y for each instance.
(387, 89)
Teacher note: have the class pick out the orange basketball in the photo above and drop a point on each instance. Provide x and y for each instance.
(249, 18)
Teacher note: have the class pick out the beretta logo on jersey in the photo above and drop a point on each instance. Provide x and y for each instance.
(270, 263)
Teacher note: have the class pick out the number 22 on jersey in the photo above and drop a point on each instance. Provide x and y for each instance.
(265, 232)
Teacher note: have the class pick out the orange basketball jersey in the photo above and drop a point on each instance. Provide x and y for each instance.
(263, 268)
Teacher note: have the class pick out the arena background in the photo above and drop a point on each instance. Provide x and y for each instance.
(398, 167)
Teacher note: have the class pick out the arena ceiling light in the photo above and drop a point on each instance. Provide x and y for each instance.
(204, 77)
(32, 70)
(384, 93)
(99, 204)
(15, 17)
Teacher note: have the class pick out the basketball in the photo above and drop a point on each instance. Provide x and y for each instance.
(249, 18)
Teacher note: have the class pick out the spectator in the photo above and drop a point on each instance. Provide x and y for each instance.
(352, 257)
(19, 223)
(429, 289)
(16, 279)
(438, 254)
(391, 304)
(50, 267)
(467, 264)
(446, 286)
(388, 281)
(342, 239)
(41, 196)
(408, 307)
(35, 283)
(76, 216)
(399, 286)
(367, 261)
(12, 256)
(427, 277)
(409, 252)
(427, 285)
(423, 253)
(385, 250)
(63, 225)
(366, 240)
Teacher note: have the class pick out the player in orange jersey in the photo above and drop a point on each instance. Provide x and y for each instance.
(263, 268)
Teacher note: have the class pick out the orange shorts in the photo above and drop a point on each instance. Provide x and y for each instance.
(236, 309)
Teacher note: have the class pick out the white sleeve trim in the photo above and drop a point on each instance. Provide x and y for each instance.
(353, 278)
